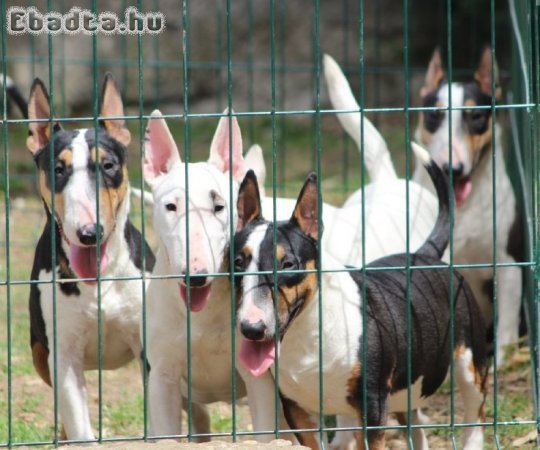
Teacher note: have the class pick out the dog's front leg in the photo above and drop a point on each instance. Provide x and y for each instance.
(508, 306)
(72, 395)
(165, 398)
(262, 402)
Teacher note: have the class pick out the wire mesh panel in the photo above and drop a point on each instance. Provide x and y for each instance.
(206, 80)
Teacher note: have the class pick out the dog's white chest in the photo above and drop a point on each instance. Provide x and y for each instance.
(299, 364)
(77, 320)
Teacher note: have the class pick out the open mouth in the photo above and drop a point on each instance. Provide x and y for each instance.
(83, 260)
(198, 296)
(258, 356)
(462, 190)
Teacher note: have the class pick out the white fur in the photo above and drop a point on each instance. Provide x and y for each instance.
(473, 223)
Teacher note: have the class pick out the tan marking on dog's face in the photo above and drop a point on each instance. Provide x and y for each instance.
(248, 251)
(46, 195)
(306, 289)
(40, 358)
(469, 102)
(66, 156)
(110, 198)
(280, 252)
(101, 154)
(477, 142)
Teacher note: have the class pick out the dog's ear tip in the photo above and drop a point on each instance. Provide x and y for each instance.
(156, 114)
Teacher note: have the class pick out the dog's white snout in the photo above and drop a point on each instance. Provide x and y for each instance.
(254, 314)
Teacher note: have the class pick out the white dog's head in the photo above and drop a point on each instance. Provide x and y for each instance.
(192, 214)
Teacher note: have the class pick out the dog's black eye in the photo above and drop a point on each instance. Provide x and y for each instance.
(59, 169)
(432, 120)
(108, 166)
(218, 208)
(170, 207)
(239, 262)
(477, 121)
(287, 264)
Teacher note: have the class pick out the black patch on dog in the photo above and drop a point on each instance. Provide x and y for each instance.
(62, 140)
(111, 165)
(516, 242)
(386, 329)
(476, 120)
(43, 261)
(135, 242)
(432, 118)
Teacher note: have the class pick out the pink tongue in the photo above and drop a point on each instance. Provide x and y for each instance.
(83, 260)
(257, 356)
(199, 296)
(462, 189)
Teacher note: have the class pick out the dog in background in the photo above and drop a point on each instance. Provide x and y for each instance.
(474, 144)
(86, 164)
(293, 335)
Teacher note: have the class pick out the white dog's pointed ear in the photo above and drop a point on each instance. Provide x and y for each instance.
(484, 74)
(435, 74)
(228, 139)
(161, 153)
(306, 211)
(248, 205)
(254, 160)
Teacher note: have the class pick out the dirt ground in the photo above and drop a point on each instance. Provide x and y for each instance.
(166, 445)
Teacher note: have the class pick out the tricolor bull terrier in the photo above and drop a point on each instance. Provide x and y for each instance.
(77, 170)
(477, 153)
(279, 316)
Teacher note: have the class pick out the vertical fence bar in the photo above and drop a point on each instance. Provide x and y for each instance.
(407, 231)
(232, 204)
(274, 206)
(6, 228)
(95, 117)
(317, 48)
(140, 78)
(452, 215)
(361, 102)
(53, 235)
(187, 148)
(494, 221)
(536, 208)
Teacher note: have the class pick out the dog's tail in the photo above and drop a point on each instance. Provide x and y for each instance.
(15, 94)
(436, 243)
(376, 155)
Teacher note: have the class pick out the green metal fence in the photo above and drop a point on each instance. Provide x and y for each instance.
(264, 60)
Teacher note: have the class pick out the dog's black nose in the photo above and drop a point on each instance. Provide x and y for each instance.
(253, 331)
(87, 234)
(456, 171)
(199, 280)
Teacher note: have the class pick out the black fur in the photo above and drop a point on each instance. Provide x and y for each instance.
(430, 324)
